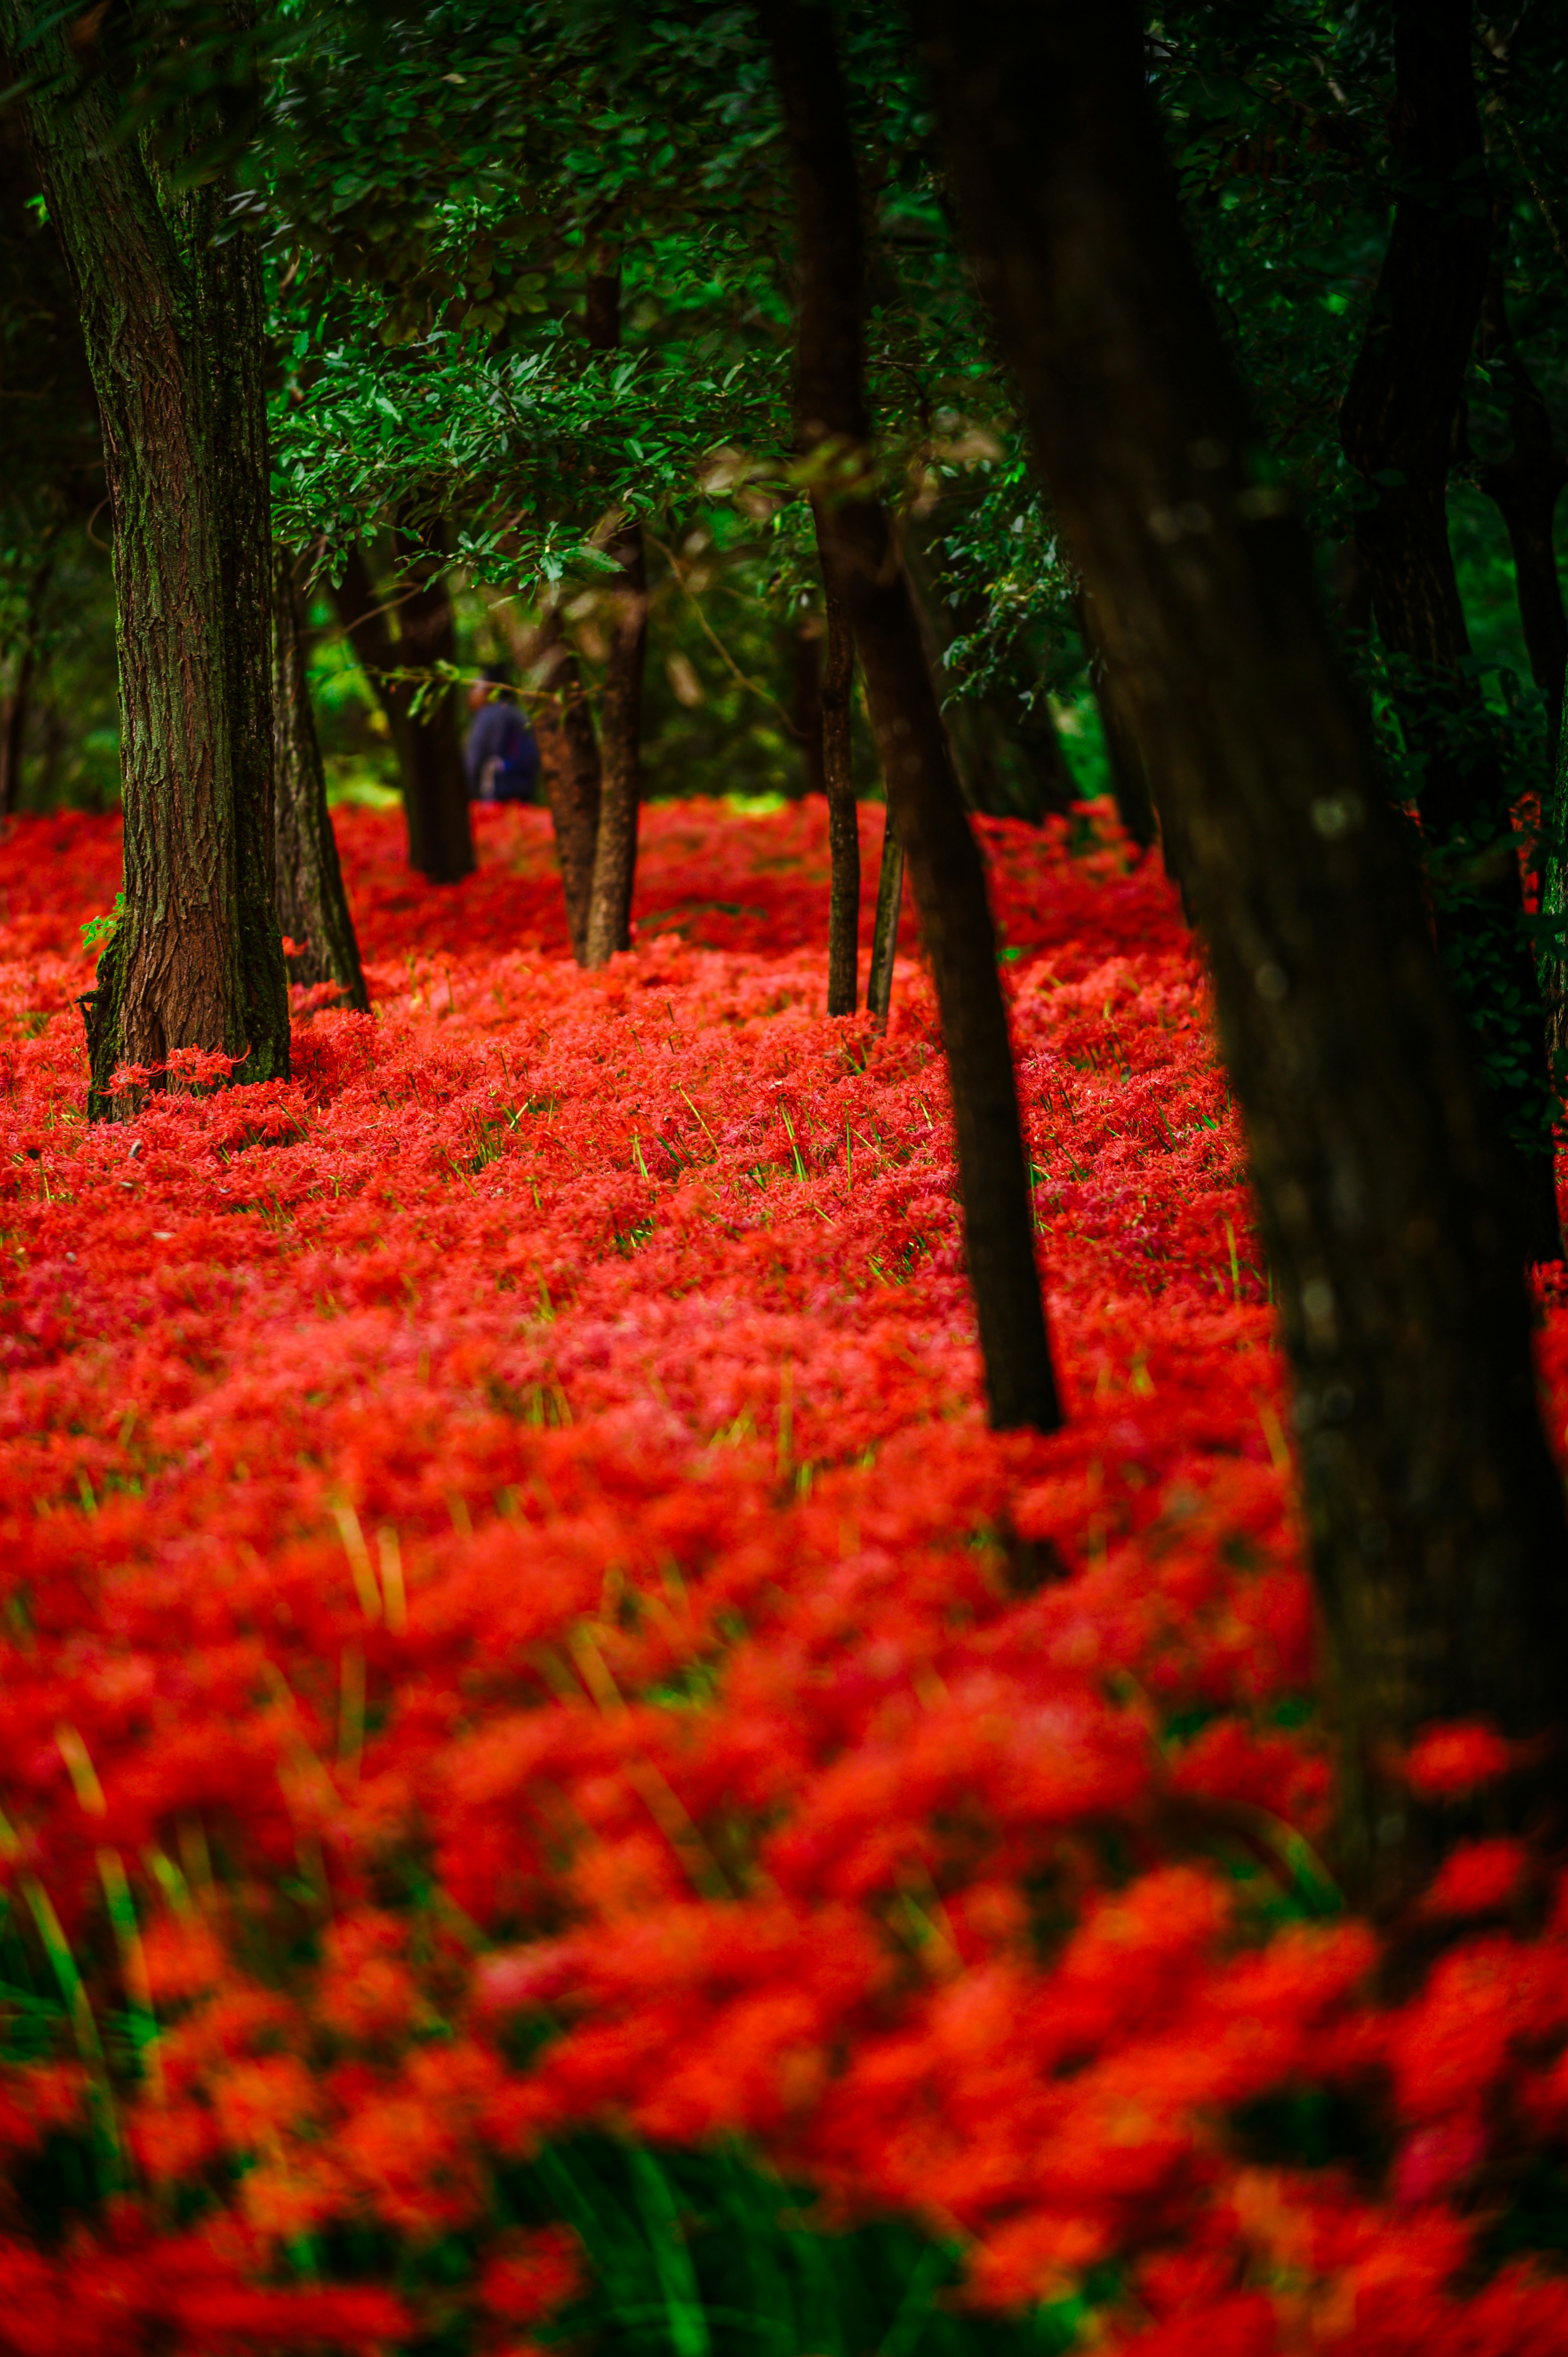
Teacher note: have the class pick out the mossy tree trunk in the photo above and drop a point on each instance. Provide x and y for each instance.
(313, 907)
(923, 793)
(172, 323)
(1438, 1536)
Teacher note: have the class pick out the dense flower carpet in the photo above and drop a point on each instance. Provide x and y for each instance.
(526, 1677)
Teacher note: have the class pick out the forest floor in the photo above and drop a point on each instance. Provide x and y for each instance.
(512, 1625)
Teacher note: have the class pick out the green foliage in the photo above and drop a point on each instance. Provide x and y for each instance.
(705, 2254)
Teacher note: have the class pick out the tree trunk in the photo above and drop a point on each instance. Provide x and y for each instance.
(1129, 776)
(806, 701)
(568, 761)
(1526, 487)
(428, 749)
(15, 711)
(620, 706)
(922, 792)
(172, 324)
(427, 635)
(313, 907)
(1397, 422)
(838, 784)
(884, 931)
(1439, 1545)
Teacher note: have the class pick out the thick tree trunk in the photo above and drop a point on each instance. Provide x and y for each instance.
(620, 704)
(1397, 422)
(838, 784)
(172, 325)
(1438, 1537)
(885, 931)
(922, 792)
(313, 907)
(569, 764)
(18, 704)
(427, 746)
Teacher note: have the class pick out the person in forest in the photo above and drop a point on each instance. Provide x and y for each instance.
(499, 753)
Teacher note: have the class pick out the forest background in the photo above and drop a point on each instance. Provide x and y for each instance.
(426, 365)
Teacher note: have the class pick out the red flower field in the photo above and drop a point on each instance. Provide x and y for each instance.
(514, 1625)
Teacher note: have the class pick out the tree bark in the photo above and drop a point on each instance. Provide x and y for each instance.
(1525, 487)
(806, 701)
(620, 755)
(838, 784)
(885, 931)
(427, 635)
(1396, 424)
(427, 746)
(568, 760)
(313, 907)
(1439, 1545)
(1130, 783)
(923, 793)
(620, 704)
(172, 324)
(14, 712)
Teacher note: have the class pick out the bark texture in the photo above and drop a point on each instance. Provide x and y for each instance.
(1438, 1538)
(806, 700)
(569, 764)
(313, 907)
(620, 704)
(923, 793)
(1526, 486)
(427, 744)
(1398, 425)
(838, 784)
(172, 324)
(620, 755)
(884, 931)
(1129, 774)
(16, 706)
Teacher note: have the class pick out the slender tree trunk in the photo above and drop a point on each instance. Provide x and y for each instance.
(620, 704)
(1526, 487)
(838, 784)
(363, 618)
(922, 792)
(172, 324)
(1129, 775)
(620, 755)
(806, 702)
(14, 712)
(884, 931)
(1396, 424)
(568, 760)
(427, 635)
(1438, 1538)
(427, 746)
(313, 907)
